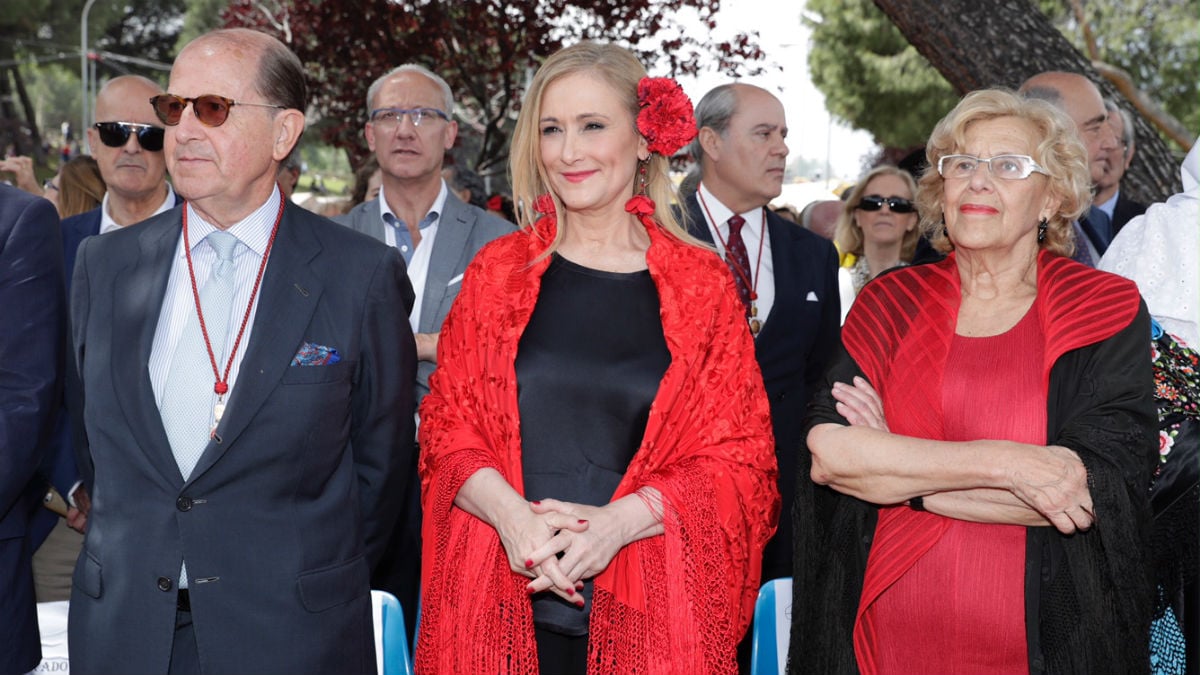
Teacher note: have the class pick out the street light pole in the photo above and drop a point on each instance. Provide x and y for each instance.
(85, 99)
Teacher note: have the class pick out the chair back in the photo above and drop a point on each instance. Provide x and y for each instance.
(772, 628)
(391, 640)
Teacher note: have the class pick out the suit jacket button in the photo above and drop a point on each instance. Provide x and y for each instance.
(183, 504)
(164, 584)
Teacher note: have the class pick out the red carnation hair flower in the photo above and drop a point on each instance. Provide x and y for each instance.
(665, 118)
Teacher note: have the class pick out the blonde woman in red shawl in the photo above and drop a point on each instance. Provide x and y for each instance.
(597, 471)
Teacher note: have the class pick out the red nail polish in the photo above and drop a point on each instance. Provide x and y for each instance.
(579, 604)
(529, 590)
(528, 563)
(537, 503)
(570, 591)
(583, 522)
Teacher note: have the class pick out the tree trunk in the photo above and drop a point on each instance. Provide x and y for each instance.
(975, 45)
(35, 135)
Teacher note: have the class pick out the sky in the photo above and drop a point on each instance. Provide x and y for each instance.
(784, 40)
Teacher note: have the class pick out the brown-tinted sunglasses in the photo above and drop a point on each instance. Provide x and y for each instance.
(210, 109)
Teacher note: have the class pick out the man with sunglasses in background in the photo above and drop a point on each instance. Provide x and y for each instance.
(786, 275)
(127, 143)
(410, 127)
(248, 372)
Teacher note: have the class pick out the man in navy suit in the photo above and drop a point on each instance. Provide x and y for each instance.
(127, 144)
(247, 372)
(793, 306)
(1080, 99)
(31, 345)
(1109, 197)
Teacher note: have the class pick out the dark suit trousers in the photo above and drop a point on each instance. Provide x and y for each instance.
(185, 655)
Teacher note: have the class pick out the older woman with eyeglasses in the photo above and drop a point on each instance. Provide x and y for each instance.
(981, 455)
(877, 229)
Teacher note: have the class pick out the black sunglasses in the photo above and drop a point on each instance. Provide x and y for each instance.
(116, 134)
(210, 109)
(896, 204)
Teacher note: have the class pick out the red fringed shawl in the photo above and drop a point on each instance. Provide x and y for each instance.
(899, 332)
(676, 603)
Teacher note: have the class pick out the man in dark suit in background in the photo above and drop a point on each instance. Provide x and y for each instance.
(126, 141)
(1081, 100)
(31, 346)
(410, 126)
(1109, 197)
(788, 278)
(247, 375)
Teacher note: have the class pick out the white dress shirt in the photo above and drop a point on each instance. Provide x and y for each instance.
(762, 274)
(179, 305)
(418, 266)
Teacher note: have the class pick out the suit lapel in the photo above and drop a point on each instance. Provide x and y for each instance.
(137, 301)
(370, 221)
(785, 269)
(453, 231)
(698, 224)
(288, 297)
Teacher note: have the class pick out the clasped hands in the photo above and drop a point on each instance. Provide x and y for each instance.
(587, 537)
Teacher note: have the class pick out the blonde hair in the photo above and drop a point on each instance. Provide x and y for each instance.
(622, 71)
(847, 233)
(1058, 151)
(81, 188)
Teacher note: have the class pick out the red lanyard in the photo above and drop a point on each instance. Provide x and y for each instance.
(221, 384)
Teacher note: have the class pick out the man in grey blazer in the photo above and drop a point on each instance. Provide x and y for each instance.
(410, 127)
(247, 377)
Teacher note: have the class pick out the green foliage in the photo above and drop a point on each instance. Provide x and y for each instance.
(873, 80)
(201, 16)
(871, 77)
(1156, 41)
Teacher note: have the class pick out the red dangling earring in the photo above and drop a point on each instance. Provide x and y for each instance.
(642, 176)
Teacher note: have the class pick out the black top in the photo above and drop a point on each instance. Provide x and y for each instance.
(588, 367)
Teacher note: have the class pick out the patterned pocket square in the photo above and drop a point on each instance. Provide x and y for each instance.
(315, 355)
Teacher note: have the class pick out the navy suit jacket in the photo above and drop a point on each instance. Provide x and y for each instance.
(31, 345)
(293, 497)
(1125, 211)
(463, 229)
(67, 446)
(793, 350)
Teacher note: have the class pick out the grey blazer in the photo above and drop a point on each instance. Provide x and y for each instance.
(462, 230)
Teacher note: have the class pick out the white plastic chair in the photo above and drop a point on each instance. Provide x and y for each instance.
(772, 628)
(391, 640)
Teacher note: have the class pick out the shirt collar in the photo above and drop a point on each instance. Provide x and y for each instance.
(431, 216)
(107, 224)
(755, 218)
(1111, 205)
(254, 230)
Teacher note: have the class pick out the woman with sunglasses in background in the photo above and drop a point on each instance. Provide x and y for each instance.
(877, 229)
(977, 470)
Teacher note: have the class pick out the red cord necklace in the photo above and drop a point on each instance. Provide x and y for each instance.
(755, 324)
(221, 384)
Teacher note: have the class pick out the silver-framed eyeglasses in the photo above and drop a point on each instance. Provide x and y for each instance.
(1005, 167)
(391, 116)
